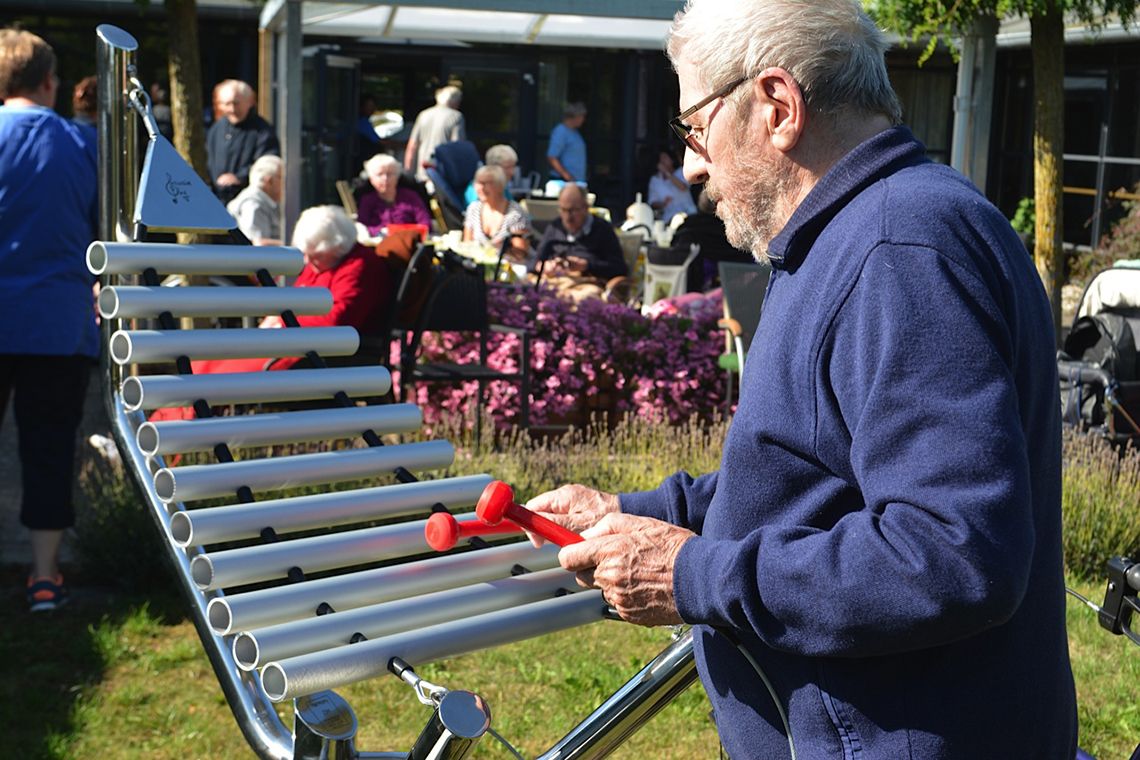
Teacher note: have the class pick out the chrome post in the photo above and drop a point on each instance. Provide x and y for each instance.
(115, 52)
(324, 727)
(460, 720)
(631, 706)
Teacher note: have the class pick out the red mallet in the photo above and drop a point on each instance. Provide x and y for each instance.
(498, 501)
(443, 531)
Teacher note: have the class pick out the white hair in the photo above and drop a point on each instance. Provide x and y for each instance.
(501, 154)
(494, 173)
(325, 229)
(381, 161)
(264, 169)
(831, 48)
(239, 88)
(449, 96)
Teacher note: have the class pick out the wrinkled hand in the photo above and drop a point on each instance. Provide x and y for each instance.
(630, 559)
(575, 507)
(229, 179)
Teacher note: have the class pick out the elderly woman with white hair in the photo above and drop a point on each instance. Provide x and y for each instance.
(390, 204)
(493, 218)
(357, 278)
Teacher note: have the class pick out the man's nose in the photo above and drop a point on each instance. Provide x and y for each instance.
(695, 169)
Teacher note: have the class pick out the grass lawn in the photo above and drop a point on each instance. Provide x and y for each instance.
(114, 676)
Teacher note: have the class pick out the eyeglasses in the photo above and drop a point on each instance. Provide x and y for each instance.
(689, 135)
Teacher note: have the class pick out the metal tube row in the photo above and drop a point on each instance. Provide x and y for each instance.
(157, 391)
(283, 427)
(265, 562)
(327, 631)
(171, 258)
(269, 606)
(328, 669)
(126, 301)
(237, 521)
(147, 346)
(208, 480)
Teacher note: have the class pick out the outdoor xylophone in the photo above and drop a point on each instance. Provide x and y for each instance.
(294, 596)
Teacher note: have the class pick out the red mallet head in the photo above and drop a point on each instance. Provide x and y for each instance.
(497, 502)
(496, 498)
(441, 531)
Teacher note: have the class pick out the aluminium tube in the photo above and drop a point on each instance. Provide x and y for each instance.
(157, 391)
(125, 301)
(266, 562)
(630, 707)
(330, 668)
(252, 648)
(150, 346)
(180, 436)
(269, 738)
(170, 258)
(270, 606)
(204, 481)
(238, 521)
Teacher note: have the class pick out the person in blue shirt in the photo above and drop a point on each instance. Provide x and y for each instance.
(875, 570)
(566, 153)
(48, 341)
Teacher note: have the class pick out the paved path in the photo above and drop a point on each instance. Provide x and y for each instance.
(14, 547)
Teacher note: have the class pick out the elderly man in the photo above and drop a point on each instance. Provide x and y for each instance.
(577, 244)
(875, 570)
(48, 340)
(237, 139)
(256, 208)
(442, 123)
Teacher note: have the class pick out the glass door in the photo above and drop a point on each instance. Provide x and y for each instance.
(329, 111)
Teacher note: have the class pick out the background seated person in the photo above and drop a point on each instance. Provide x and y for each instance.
(390, 204)
(256, 207)
(578, 253)
(669, 193)
(576, 243)
(492, 218)
(502, 156)
(356, 277)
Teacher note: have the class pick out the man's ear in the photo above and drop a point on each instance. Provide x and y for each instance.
(782, 107)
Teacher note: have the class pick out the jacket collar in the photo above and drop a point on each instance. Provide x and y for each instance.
(876, 158)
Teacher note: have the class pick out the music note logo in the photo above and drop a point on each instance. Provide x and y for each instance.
(176, 189)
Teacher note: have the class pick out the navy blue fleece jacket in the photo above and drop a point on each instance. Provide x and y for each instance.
(884, 531)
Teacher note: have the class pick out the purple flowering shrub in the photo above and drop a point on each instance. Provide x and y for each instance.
(587, 358)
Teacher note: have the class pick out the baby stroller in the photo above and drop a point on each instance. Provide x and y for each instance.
(1099, 363)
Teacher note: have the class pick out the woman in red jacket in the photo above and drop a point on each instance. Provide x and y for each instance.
(356, 276)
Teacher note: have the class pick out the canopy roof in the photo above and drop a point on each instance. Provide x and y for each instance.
(640, 24)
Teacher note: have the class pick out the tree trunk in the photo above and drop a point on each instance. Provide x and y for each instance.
(185, 70)
(1048, 36)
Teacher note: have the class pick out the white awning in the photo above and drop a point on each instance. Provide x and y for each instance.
(628, 24)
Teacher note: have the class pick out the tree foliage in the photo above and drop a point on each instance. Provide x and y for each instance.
(939, 20)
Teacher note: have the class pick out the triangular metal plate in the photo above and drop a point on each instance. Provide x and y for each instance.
(173, 198)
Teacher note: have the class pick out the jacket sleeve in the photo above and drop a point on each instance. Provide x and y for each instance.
(680, 500)
(935, 540)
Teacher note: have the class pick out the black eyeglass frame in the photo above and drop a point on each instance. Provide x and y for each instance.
(683, 131)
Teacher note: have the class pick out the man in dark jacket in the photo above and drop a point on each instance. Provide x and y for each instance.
(578, 244)
(875, 570)
(237, 139)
